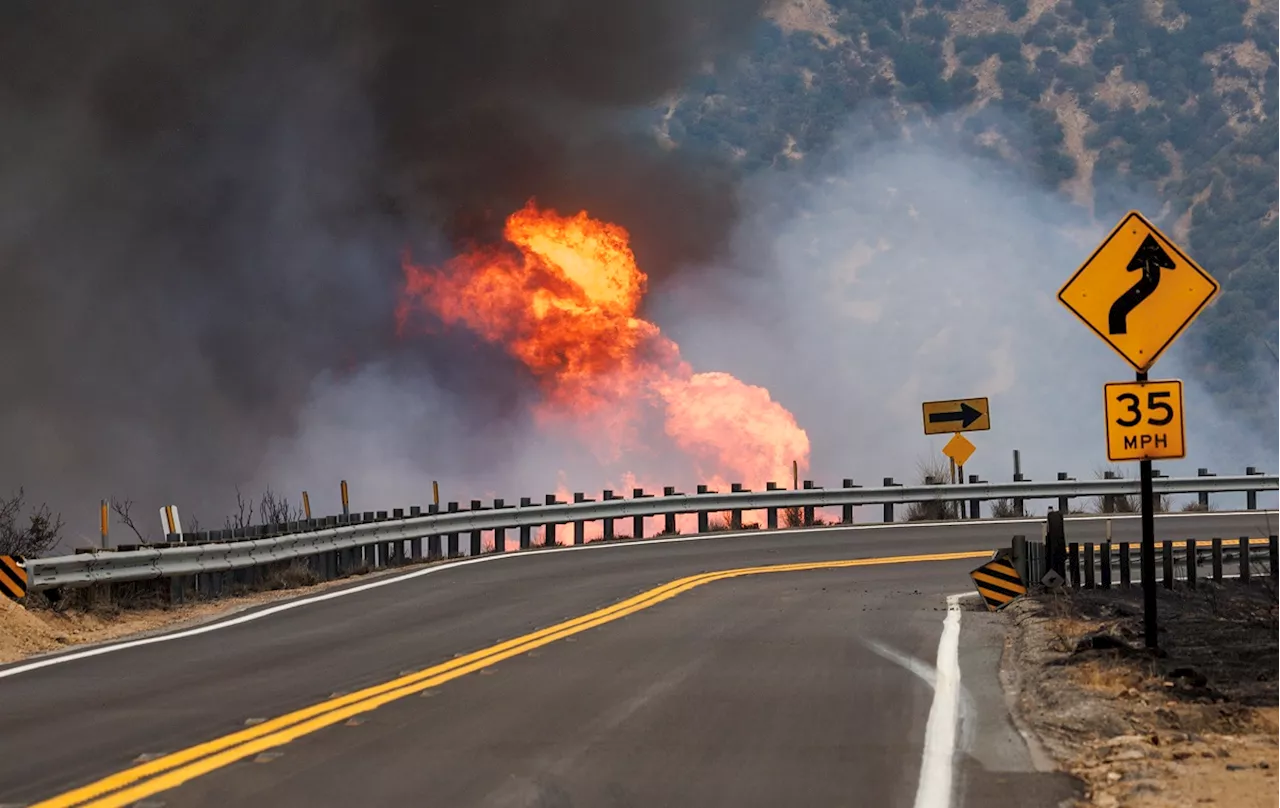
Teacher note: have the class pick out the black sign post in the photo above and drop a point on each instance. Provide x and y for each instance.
(1148, 551)
(1107, 297)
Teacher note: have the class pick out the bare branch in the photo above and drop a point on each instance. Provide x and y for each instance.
(123, 511)
(243, 517)
(275, 509)
(30, 536)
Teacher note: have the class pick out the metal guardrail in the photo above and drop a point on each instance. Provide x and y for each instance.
(176, 560)
(1104, 565)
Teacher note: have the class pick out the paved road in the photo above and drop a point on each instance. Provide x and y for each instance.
(723, 695)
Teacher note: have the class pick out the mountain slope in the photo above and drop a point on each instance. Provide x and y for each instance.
(1172, 100)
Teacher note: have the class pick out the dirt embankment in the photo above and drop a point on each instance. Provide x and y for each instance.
(1195, 725)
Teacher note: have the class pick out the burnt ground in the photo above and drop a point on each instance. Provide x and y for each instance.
(1193, 724)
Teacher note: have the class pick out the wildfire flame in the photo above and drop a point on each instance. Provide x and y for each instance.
(562, 296)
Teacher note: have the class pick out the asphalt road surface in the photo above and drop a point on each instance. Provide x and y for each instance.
(807, 687)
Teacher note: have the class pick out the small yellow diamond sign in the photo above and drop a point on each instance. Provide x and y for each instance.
(1138, 291)
(959, 449)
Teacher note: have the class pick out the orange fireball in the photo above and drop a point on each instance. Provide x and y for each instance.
(561, 296)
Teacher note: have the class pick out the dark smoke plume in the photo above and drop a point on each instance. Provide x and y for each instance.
(202, 206)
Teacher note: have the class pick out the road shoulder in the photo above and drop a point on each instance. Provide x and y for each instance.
(1193, 726)
(997, 763)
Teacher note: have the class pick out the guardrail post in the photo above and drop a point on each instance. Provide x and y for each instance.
(735, 515)
(1104, 564)
(888, 506)
(1216, 552)
(415, 544)
(1192, 561)
(1166, 550)
(549, 530)
(1088, 565)
(1109, 500)
(703, 516)
(579, 526)
(395, 549)
(1251, 497)
(340, 562)
(1273, 551)
(1055, 539)
(1018, 505)
(1202, 497)
(345, 558)
(975, 505)
(1019, 558)
(637, 522)
(369, 552)
(606, 496)
(1244, 559)
(452, 538)
(433, 539)
(771, 514)
(1064, 503)
(846, 511)
(1126, 574)
(808, 509)
(669, 519)
(499, 533)
(1073, 564)
(332, 565)
(357, 552)
(477, 536)
(526, 531)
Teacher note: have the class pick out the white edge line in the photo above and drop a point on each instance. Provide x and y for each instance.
(934, 789)
(929, 676)
(108, 648)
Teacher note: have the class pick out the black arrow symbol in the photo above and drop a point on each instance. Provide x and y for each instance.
(966, 415)
(1150, 258)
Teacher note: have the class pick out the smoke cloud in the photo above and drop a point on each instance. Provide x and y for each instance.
(909, 271)
(895, 271)
(202, 207)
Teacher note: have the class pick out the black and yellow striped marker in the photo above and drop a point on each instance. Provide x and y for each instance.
(13, 576)
(998, 583)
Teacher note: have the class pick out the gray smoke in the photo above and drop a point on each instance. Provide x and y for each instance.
(203, 207)
(908, 271)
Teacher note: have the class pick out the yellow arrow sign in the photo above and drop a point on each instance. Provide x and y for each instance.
(1138, 291)
(956, 415)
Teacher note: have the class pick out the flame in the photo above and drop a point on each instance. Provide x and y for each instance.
(562, 297)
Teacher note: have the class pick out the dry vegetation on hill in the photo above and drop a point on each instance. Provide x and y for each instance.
(1106, 102)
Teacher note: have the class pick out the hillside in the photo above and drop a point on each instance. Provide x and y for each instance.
(1174, 99)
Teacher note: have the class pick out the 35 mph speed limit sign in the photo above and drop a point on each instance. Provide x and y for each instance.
(1144, 420)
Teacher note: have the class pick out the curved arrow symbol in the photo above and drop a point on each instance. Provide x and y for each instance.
(1150, 258)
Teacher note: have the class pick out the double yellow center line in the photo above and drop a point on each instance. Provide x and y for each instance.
(172, 770)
